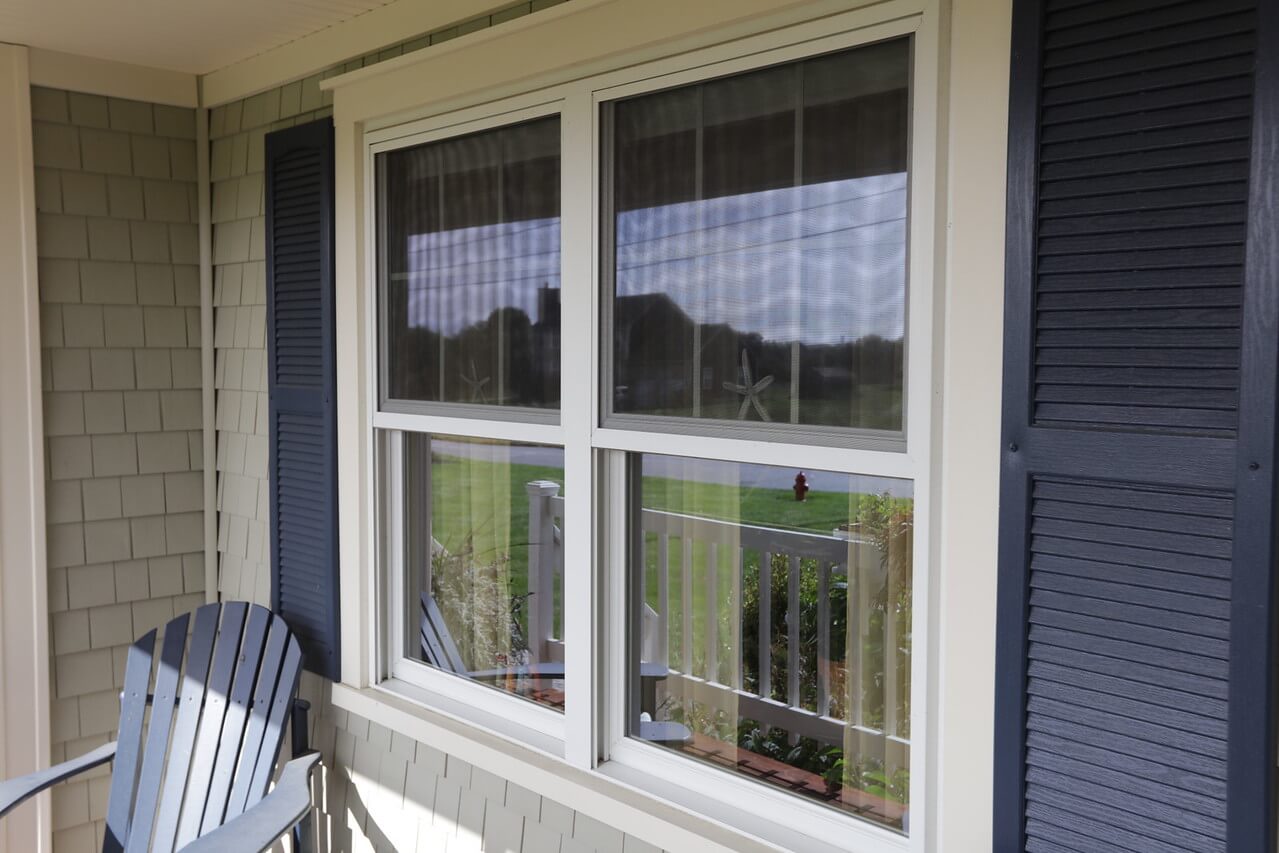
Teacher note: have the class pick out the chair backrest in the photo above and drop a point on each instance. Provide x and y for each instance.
(438, 648)
(216, 724)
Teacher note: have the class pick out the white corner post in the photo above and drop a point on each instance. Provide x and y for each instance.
(24, 597)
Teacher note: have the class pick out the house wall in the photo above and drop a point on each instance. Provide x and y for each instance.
(124, 448)
(381, 790)
(115, 188)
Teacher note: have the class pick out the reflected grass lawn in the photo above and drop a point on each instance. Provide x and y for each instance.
(487, 502)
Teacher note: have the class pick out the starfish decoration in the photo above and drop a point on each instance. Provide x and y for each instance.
(476, 384)
(749, 391)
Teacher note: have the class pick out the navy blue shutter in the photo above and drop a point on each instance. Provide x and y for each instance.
(1135, 646)
(300, 353)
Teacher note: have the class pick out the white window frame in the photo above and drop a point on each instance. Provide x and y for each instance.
(590, 735)
(390, 427)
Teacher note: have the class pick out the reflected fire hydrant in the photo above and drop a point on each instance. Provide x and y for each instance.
(801, 486)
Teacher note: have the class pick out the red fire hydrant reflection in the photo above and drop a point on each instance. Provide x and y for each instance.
(801, 486)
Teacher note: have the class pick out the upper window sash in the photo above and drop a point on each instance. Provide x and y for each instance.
(467, 211)
(754, 244)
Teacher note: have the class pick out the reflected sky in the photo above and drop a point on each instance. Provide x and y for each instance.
(821, 263)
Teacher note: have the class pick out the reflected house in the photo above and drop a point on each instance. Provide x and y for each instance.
(662, 355)
(544, 360)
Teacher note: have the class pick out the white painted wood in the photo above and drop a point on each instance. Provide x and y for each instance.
(24, 599)
(583, 593)
(83, 73)
(592, 38)
(965, 549)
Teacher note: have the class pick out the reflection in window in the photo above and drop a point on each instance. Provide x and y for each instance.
(484, 561)
(760, 244)
(471, 258)
(780, 610)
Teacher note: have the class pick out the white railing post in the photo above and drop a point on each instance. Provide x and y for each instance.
(541, 566)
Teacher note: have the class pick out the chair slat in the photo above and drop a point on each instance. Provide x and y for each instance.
(448, 656)
(263, 694)
(236, 719)
(124, 777)
(280, 706)
(163, 708)
(217, 693)
(182, 741)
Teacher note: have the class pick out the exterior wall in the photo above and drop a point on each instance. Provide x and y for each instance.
(120, 335)
(236, 131)
(236, 167)
(381, 791)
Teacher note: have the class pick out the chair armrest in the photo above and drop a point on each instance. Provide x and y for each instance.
(275, 814)
(13, 792)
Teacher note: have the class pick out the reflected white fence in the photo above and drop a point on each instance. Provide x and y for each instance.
(683, 629)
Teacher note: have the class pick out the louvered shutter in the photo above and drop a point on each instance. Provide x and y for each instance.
(1135, 641)
(300, 347)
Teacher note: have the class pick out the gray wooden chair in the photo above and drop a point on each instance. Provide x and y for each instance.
(441, 652)
(195, 776)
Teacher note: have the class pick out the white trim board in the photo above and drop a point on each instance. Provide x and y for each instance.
(24, 596)
(114, 79)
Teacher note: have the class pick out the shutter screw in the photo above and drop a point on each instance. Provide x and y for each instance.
(1253, 466)
(1013, 446)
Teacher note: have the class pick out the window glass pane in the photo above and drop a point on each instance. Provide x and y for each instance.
(759, 259)
(772, 634)
(484, 561)
(471, 258)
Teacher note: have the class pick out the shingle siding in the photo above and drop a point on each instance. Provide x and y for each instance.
(119, 285)
(125, 549)
(381, 790)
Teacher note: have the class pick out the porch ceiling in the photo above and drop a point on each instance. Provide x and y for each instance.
(192, 36)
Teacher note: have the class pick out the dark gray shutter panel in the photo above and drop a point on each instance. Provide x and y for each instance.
(1134, 706)
(300, 352)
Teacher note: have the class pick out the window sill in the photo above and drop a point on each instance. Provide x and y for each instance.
(649, 808)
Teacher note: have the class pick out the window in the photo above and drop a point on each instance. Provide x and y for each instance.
(483, 524)
(469, 318)
(758, 278)
(652, 422)
(471, 264)
(759, 245)
(771, 626)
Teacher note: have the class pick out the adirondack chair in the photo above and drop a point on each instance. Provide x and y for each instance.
(195, 777)
(440, 651)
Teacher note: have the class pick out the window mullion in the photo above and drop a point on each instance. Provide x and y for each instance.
(577, 405)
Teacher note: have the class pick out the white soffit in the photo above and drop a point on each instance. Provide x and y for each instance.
(189, 36)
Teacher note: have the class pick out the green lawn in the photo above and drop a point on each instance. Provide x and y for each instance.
(487, 503)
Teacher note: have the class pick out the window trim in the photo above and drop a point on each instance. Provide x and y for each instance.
(595, 634)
